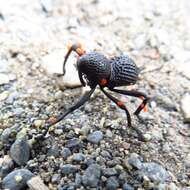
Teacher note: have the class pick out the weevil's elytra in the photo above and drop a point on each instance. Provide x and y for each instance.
(95, 69)
(123, 72)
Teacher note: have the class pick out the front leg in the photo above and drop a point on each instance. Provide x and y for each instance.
(84, 99)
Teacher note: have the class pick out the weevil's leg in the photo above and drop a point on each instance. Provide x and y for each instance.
(83, 99)
(73, 47)
(121, 105)
(137, 94)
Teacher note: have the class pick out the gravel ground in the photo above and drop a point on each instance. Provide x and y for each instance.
(93, 148)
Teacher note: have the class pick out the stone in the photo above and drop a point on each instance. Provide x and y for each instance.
(6, 165)
(53, 64)
(68, 169)
(155, 172)
(172, 186)
(106, 154)
(74, 142)
(109, 172)
(4, 95)
(5, 135)
(53, 150)
(36, 183)
(20, 152)
(78, 157)
(147, 137)
(92, 175)
(95, 137)
(112, 183)
(58, 131)
(18, 111)
(56, 178)
(78, 180)
(17, 179)
(109, 134)
(185, 108)
(12, 97)
(22, 134)
(38, 123)
(85, 130)
(126, 186)
(135, 161)
(65, 153)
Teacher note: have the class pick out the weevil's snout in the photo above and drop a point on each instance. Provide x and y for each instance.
(76, 47)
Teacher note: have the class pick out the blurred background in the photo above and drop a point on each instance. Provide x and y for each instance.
(33, 39)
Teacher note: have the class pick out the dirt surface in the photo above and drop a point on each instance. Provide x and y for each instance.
(156, 34)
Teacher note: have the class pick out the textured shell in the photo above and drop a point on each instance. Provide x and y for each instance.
(95, 66)
(123, 71)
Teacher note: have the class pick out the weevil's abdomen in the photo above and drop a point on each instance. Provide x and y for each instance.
(94, 66)
(123, 72)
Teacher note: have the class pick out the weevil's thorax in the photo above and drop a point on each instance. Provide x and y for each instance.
(94, 67)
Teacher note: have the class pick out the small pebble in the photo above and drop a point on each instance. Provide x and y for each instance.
(6, 165)
(58, 131)
(95, 137)
(85, 130)
(92, 175)
(53, 150)
(68, 169)
(58, 94)
(22, 134)
(74, 142)
(18, 111)
(172, 186)
(65, 153)
(12, 97)
(6, 134)
(109, 172)
(109, 134)
(78, 180)
(106, 154)
(134, 161)
(4, 95)
(147, 137)
(78, 157)
(112, 183)
(20, 152)
(88, 108)
(36, 183)
(38, 123)
(126, 186)
(56, 178)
